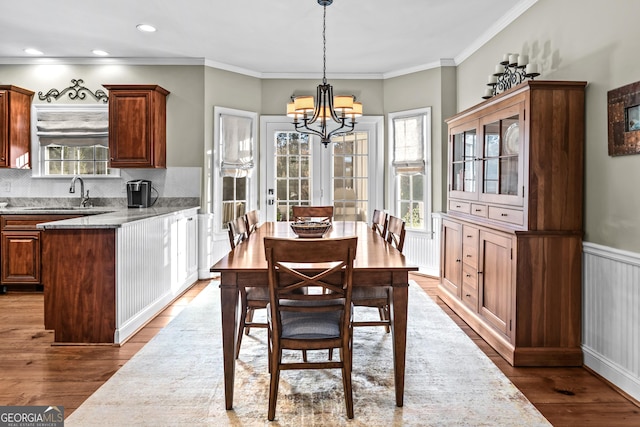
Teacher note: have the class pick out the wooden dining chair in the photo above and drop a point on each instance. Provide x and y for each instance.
(378, 296)
(306, 213)
(317, 319)
(251, 297)
(379, 222)
(237, 231)
(252, 219)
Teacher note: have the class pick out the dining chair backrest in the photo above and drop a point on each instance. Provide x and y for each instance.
(252, 219)
(331, 281)
(396, 232)
(309, 320)
(237, 231)
(303, 213)
(379, 222)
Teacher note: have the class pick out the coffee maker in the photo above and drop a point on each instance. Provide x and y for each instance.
(139, 193)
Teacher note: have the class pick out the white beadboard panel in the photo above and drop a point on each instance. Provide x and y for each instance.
(150, 268)
(611, 315)
(423, 249)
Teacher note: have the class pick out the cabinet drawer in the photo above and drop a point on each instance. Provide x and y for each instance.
(457, 206)
(512, 216)
(479, 210)
(470, 246)
(470, 287)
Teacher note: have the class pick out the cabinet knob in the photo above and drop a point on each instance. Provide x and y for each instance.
(468, 256)
(478, 210)
(503, 214)
(458, 260)
(468, 275)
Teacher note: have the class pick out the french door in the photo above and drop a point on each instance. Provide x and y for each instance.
(299, 170)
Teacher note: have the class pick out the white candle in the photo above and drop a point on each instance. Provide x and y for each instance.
(531, 68)
(488, 92)
(513, 58)
(505, 57)
(523, 60)
(499, 69)
(493, 79)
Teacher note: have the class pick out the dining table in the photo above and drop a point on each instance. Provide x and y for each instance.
(377, 263)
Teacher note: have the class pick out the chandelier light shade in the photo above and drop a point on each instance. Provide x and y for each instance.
(325, 115)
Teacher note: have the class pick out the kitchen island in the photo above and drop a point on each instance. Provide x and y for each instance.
(106, 275)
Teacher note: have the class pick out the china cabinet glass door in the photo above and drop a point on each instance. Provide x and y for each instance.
(463, 167)
(500, 157)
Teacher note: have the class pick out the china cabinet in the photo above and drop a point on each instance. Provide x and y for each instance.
(137, 126)
(15, 127)
(512, 236)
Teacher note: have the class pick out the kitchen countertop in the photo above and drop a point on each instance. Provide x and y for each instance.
(94, 217)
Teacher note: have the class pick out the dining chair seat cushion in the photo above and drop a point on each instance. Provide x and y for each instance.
(258, 293)
(306, 325)
(372, 292)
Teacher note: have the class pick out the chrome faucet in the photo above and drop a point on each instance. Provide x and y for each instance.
(84, 199)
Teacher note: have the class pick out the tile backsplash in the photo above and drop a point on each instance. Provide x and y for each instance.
(172, 182)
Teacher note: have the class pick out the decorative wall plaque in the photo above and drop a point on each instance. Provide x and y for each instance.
(624, 120)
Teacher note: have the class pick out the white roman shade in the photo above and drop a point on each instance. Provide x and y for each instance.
(236, 146)
(408, 145)
(73, 128)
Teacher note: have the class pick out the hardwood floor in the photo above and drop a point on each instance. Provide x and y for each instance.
(33, 372)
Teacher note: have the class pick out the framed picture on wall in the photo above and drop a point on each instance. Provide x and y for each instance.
(624, 120)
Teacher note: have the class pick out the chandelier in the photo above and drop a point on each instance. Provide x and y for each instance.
(326, 110)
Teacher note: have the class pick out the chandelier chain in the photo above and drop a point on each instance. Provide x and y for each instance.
(324, 45)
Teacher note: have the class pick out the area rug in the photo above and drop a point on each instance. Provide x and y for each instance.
(176, 379)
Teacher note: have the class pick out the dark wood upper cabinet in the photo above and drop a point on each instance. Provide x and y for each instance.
(15, 127)
(137, 126)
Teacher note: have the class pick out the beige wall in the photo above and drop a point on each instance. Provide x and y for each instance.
(580, 40)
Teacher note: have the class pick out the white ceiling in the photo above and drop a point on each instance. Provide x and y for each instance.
(277, 38)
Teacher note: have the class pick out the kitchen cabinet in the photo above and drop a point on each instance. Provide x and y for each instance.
(20, 250)
(512, 236)
(105, 281)
(15, 127)
(137, 126)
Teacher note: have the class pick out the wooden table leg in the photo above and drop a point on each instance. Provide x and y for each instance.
(228, 302)
(398, 313)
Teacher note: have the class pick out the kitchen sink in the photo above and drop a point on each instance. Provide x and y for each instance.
(55, 208)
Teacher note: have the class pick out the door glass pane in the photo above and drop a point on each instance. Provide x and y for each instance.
(292, 171)
(350, 176)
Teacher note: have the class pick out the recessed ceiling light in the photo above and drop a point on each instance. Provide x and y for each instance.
(32, 51)
(99, 52)
(146, 28)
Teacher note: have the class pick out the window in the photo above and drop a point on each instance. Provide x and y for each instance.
(72, 140)
(68, 160)
(293, 172)
(410, 136)
(233, 181)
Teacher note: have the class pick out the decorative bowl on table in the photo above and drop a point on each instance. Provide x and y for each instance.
(310, 229)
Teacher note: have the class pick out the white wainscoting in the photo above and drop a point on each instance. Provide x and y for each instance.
(155, 262)
(611, 315)
(423, 249)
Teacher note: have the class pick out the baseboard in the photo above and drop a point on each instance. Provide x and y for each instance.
(620, 378)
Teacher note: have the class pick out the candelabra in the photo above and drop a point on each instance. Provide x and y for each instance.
(511, 71)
